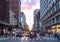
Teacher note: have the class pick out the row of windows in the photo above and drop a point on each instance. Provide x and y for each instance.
(46, 4)
(53, 20)
(55, 5)
(53, 10)
(4, 11)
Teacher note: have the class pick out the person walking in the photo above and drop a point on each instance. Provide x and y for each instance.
(5, 32)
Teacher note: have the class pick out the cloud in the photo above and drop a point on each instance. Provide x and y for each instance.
(28, 4)
(28, 7)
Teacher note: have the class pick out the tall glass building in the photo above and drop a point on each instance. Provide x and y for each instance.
(50, 15)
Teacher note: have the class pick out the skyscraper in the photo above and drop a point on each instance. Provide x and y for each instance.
(23, 20)
(36, 19)
(14, 5)
(15, 9)
(50, 15)
(4, 15)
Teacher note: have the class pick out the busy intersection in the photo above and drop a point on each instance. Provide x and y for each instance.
(26, 39)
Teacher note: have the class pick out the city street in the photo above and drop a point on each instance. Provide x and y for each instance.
(26, 39)
(29, 20)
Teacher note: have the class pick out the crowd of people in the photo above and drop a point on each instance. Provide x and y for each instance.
(50, 34)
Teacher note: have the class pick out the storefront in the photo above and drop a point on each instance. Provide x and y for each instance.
(55, 28)
(1, 29)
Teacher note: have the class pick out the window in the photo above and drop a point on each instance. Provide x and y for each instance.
(49, 1)
(57, 18)
(49, 12)
(54, 8)
(47, 22)
(59, 4)
(50, 22)
(53, 20)
(57, 1)
(52, 4)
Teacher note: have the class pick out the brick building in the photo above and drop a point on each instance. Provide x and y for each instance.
(14, 6)
(4, 14)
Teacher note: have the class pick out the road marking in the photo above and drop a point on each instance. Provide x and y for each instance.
(3, 38)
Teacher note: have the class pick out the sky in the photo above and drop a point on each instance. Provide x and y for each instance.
(28, 7)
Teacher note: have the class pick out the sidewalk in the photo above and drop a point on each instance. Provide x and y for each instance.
(3, 38)
(47, 37)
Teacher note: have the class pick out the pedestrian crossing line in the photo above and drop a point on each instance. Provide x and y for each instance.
(26, 38)
(37, 38)
(29, 38)
(40, 38)
(3, 38)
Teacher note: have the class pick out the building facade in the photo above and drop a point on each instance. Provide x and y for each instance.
(9, 10)
(36, 19)
(4, 15)
(13, 20)
(4, 11)
(50, 15)
(26, 27)
(15, 7)
(23, 20)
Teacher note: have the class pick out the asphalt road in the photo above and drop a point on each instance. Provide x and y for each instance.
(26, 39)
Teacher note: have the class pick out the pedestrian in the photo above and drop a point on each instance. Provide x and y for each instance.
(5, 34)
(56, 35)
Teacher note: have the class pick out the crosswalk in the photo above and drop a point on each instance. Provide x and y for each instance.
(38, 38)
(27, 39)
(4, 38)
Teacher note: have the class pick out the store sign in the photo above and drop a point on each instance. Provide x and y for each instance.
(58, 26)
(53, 26)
